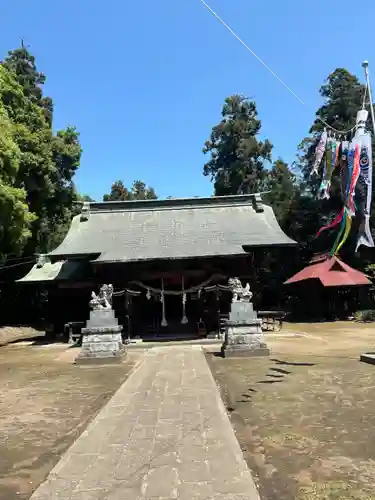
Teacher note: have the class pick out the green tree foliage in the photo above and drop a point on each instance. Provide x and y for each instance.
(138, 191)
(240, 161)
(42, 163)
(281, 183)
(22, 64)
(238, 157)
(61, 208)
(84, 197)
(118, 192)
(295, 209)
(15, 216)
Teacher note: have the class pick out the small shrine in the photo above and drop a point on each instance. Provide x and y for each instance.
(330, 272)
(326, 289)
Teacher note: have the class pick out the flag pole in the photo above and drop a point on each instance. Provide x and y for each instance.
(367, 75)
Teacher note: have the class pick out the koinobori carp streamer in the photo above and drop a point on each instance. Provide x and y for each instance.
(354, 159)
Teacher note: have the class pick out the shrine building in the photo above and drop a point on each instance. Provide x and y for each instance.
(169, 261)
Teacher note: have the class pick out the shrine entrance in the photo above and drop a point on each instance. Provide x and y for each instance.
(176, 307)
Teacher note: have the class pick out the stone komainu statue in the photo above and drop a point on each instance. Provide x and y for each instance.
(104, 298)
(240, 294)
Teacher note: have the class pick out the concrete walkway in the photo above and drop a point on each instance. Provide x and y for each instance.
(164, 434)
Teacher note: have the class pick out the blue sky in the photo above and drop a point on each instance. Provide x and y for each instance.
(144, 80)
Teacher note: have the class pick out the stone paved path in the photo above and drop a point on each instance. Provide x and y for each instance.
(164, 435)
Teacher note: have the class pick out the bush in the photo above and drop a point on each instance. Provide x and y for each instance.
(365, 316)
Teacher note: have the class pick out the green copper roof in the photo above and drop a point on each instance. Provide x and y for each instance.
(171, 229)
(58, 271)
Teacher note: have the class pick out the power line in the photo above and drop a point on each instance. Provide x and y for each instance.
(251, 51)
(342, 132)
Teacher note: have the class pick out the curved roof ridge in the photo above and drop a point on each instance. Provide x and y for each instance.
(173, 203)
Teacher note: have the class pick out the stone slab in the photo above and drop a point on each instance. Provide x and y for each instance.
(242, 312)
(242, 333)
(368, 357)
(102, 353)
(229, 352)
(102, 337)
(100, 347)
(164, 435)
(102, 317)
(97, 330)
(148, 344)
(247, 323)
(97, 360)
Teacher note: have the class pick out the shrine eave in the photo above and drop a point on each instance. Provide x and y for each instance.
(57, 271)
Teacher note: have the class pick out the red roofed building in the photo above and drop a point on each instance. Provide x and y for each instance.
(331, 272)
(327, 289)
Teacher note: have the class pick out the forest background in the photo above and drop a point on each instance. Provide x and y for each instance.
(38, 196)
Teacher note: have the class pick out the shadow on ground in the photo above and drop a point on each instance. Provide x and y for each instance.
(305, 416)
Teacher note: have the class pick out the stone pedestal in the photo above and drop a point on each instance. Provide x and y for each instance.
(243, 333)
(102, 341)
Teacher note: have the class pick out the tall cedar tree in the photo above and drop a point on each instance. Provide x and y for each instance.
(15, 216)
(22, 64)
(240, 164)
(48, 161)
(138, 191)
(238, 158)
